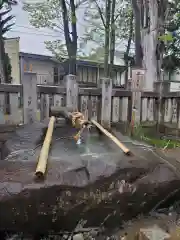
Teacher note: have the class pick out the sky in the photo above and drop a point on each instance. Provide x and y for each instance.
(32, 39)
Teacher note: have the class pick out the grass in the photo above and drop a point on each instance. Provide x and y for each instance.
(163, 143)
(145, 135)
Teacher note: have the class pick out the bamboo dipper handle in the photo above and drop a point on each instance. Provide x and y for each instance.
(43, 157)
(113, 138)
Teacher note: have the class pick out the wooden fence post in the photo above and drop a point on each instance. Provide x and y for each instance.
(106, 102)
(71, 92)
(29, 82)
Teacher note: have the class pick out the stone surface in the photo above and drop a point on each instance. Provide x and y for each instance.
(95, 183)
(153, 233)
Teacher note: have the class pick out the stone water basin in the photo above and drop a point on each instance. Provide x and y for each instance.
(94, 182)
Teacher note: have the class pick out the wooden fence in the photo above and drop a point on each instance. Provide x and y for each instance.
(104, 103)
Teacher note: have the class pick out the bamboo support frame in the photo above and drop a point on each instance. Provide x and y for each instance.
(113, 138)
(43, 157)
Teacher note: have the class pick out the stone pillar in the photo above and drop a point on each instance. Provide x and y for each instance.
(106, 102)
(71, 92)
(29, 97)
(144, 109)
(14, 109)
(136, 87)
(162, 87)
(44, 107)
(115, 110)
(2, 106)
(124, 109)
(84, 106)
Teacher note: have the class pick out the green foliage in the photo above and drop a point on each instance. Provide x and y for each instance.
(58, 49)
(8, 67)
(166, 37)
(96, 55)
(45, 15)
(5, 25)
(95, 32)
(48, 14)
(145, 134)
(5, 17)
(171, 38)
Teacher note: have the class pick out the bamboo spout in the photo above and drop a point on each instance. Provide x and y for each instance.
(43, 157)
(113, 138)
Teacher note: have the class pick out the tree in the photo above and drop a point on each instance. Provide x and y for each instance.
(105, 12)
(59, 16)
(5, 26)
(137, 32)
(8, 69)
(150, 18)
(171, 60)
(107, 39)
(127, 57)
(109, 22)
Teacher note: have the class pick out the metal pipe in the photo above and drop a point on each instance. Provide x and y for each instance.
(43, 157)
(113, 138)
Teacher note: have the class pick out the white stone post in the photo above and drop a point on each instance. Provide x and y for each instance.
(44, 107)
(71, 92)
(106, 102)
(29, 82)
(136, 87)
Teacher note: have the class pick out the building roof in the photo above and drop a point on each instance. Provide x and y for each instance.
(52, 59)
(37, 57)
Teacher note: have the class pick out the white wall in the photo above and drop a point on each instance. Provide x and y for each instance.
(43, 69)
(174, 87)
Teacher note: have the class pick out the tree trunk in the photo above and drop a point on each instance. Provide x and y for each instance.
(149, 43)
(126, 54)
(137, 28)
(71, 43)
(112, 37)
(149, 20)
(107, 30)
(2, 70)
(74, 38)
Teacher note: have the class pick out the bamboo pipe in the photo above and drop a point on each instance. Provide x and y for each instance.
(69, 115)
(43, 157)
(113, 138)
(74, 118)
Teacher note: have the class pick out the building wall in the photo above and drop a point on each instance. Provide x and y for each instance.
(44, 66)
(174, 86)
(43, 69)
(93, 74)
(12, 49)
(87, 74)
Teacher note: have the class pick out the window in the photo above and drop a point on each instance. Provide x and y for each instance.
(55, 75)
(27, 66)
(58, 75)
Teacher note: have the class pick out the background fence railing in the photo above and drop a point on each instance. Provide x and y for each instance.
(104, 103)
